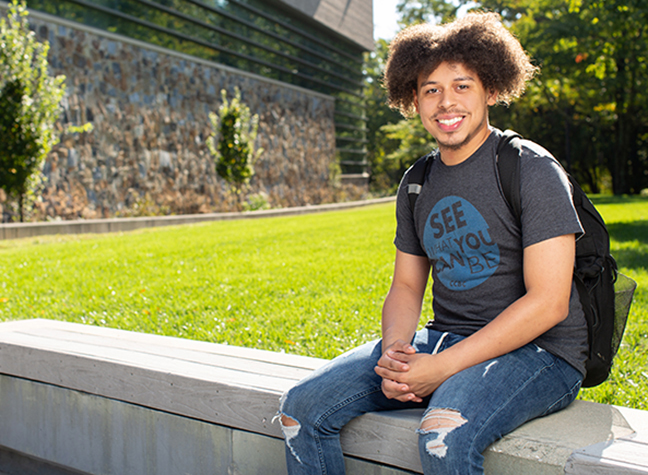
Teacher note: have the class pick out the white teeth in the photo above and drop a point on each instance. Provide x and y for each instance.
(450, 121)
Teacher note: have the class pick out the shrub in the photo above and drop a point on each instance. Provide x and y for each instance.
(232, 142)
(29, 105)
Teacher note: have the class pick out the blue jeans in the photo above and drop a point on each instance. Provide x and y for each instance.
(471, 410)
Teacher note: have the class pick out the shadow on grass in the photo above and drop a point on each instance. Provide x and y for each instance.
(633, 231)
(629, 231)
(619, 199)
(631, 259)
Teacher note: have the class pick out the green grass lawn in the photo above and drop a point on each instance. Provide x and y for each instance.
(627, 220)
(311, 284)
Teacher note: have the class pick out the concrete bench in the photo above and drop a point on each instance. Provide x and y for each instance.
(83, 399)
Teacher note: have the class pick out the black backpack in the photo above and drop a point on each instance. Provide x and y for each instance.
(595, 270)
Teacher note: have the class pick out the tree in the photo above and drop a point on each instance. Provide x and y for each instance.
(592, 55)
(232, 142)
(29, 105)
(385, 174)
(414, 142)
(612, 48)
(588, 105)
(413, 12)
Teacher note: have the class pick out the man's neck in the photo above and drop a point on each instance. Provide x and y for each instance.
(451, 156)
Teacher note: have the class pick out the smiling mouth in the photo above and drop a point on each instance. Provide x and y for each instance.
(450, 122)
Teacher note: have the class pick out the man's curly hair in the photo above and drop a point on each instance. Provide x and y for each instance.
(479, 41)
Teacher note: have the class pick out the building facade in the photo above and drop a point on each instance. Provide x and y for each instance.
(146, 74)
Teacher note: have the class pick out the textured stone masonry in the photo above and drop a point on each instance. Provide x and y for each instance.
(147, 152)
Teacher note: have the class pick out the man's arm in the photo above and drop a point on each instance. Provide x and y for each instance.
(402, 311)
(548, 268)
(402, 307)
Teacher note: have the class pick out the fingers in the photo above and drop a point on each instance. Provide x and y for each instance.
(398, 377)
(401, 347)
(399, 391)
(388, 361)
(397, 355)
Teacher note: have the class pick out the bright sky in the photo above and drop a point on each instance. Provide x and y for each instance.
(385, 17)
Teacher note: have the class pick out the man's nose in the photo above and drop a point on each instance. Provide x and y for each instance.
(447, 100)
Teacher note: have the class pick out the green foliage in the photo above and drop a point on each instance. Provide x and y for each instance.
(29, 105)
(587, 106)
(385, 174)
(231, 144)
(79, 129)
(256, 202)
(414, 142)
(413, 12)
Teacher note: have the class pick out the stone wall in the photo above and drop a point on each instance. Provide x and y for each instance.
(149, 108)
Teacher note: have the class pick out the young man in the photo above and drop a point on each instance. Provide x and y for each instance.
(508, 339)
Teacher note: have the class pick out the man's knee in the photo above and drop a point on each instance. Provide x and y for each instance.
(290, 428)
(288, 421)
(439, 422)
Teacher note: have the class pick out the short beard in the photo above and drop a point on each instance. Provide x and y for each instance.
(453, 147)
(469, 137)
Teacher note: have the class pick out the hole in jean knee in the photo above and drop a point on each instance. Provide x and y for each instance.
(442, 419)
(439, 423)
(288, 421)
(290, 428)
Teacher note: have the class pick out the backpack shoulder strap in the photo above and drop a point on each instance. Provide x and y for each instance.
(416, 177)
(509, 150)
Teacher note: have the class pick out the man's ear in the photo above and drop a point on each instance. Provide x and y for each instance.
(492, 97)
(416, 105)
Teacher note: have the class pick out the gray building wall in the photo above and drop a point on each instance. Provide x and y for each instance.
(351, 18)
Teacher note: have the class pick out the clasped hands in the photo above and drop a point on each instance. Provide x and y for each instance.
(409, 376)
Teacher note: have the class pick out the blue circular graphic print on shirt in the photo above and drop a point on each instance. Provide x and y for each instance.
(457, 239)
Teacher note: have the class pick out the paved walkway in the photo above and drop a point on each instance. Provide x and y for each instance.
(24, 230)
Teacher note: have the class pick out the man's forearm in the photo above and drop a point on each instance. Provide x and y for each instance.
(400, 316)
(402, 307)
(522, 322)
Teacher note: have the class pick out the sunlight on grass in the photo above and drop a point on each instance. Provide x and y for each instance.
(311, 285)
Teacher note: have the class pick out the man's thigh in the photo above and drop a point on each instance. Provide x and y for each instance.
(489, 400)
(348, 386)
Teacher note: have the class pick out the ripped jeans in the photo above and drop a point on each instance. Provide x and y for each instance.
(466, 414)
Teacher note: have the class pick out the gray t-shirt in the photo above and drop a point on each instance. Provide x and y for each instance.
(474, 243)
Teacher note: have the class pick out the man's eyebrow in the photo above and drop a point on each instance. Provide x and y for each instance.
(458, 79)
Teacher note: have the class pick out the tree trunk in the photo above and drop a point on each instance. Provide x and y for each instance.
(568, 158)
(620, 166)
(21, 200)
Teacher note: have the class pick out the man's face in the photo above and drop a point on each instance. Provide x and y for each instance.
(453, 106)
